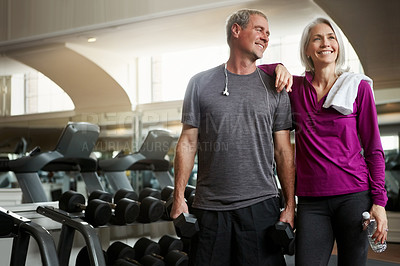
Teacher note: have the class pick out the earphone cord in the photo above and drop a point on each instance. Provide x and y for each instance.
(225, 92)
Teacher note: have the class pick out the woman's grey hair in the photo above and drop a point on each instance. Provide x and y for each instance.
(242, 18)
(305, 40)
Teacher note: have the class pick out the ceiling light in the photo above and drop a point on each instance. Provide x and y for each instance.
(92, 39)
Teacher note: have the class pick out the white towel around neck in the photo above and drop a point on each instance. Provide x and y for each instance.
(344, 92)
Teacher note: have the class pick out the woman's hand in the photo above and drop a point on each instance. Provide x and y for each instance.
(379, 214)
(284, 79)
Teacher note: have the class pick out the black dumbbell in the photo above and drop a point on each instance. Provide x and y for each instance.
(147, 247)
(167, 192)
(167, 251)
(126, 210)
(125, 193)
(148, 191)
(82, 259)
(189, 191)
(186, 225)
(176, 258)
(122, 254)
(283, 235)
(120, 194)
(97, 212)
(145, 250)
(151, 207)
(167, 195)
(168, 243)
(120, 251)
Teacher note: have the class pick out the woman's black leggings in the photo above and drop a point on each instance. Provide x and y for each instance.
(322, 220)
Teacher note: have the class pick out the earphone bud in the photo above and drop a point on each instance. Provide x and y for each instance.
(225, 92)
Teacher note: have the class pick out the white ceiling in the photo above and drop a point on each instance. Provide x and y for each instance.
(174, 31)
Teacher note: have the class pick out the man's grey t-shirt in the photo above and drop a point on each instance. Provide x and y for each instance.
(235, 149)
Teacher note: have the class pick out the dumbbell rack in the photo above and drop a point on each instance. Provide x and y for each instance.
(107, 234)
(70, 223)
(21, 229)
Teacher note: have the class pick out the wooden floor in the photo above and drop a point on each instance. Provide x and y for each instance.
(391, 254)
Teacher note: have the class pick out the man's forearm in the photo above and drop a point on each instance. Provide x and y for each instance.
(186, 149)
(183, 165)
(286, 175)
(285, 168)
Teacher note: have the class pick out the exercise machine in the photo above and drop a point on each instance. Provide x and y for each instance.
(151, 156)
(72, 152)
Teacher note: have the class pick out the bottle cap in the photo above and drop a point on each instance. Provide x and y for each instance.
(366, 215)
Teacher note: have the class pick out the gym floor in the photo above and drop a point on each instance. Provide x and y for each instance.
(390, 257)
(391, 254)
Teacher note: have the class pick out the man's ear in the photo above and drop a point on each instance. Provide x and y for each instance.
(235, 30)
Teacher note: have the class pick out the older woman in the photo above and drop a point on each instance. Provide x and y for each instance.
(339, 156)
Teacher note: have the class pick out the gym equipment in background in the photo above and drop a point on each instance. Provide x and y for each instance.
(72, 152)
(20, 229)
(72, 222)
(151, 156)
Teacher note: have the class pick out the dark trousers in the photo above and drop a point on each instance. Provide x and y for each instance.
(237, 237)
(322, 220)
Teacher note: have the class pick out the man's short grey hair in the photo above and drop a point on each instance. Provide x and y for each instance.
(242, 18)
(305, 41)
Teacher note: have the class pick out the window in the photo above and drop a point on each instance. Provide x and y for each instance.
(390, 143)
(35, 93)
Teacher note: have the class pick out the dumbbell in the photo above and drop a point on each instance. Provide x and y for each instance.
(126, 209)
(189, 191)
(151, 209)
(168, 243)
(147, 205)
(82, 259)
(97, 212)
(168, 250)
(120, 251)
(283, 235)
(151, 206)
(143, 247)
(176, 257)
(148, 191)
(167, 193)
(167, 196)
(186, 225)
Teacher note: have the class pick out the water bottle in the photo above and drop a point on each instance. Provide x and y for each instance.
(370, 225)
